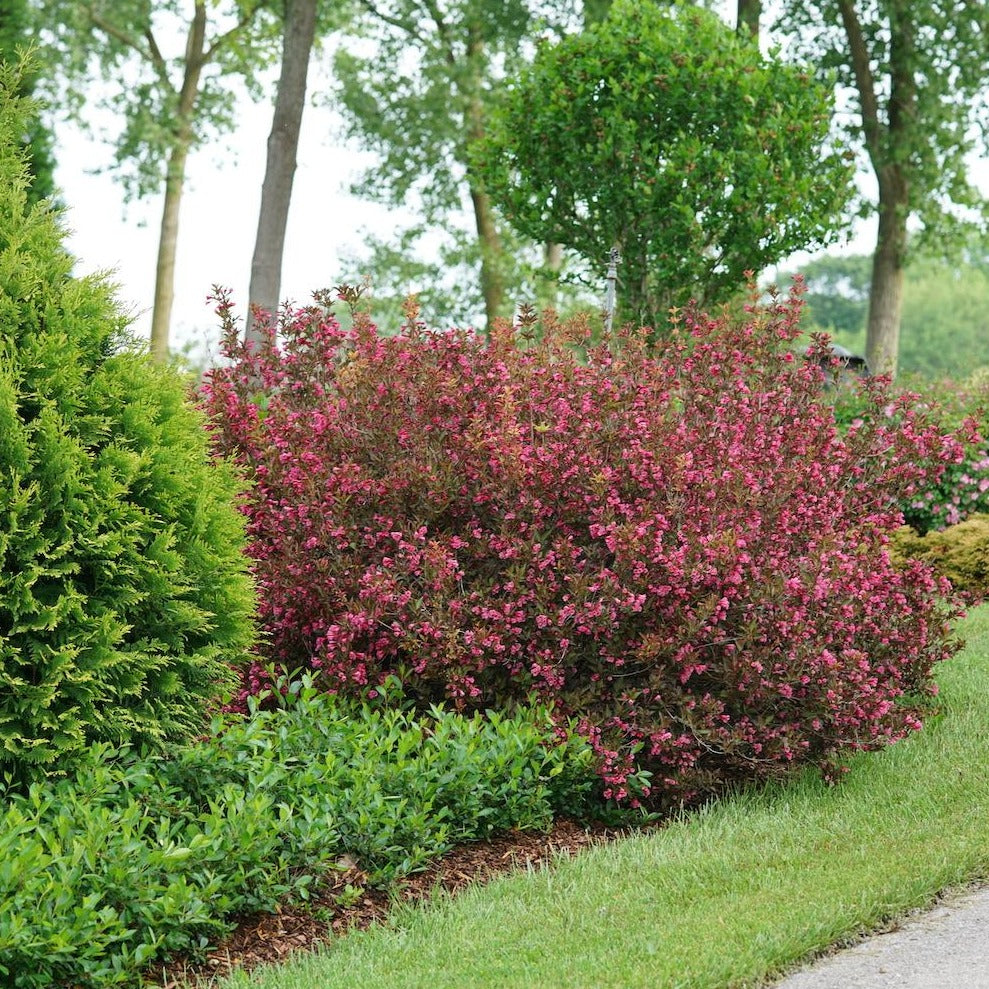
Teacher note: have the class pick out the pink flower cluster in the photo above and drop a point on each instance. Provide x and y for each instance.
(672, 542)
(964, 491)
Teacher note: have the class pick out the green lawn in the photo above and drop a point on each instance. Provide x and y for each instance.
(729, 897)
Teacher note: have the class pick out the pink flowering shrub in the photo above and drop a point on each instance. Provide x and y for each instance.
(961, 493)
(674, 544)
(962, 490)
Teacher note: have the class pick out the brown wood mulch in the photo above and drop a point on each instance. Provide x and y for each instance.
(265, 938)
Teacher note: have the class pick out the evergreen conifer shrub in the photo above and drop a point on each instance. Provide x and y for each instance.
(124, 594)
(676, 545)
(960, 553)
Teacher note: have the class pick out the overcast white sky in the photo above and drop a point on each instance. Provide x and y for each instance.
(219, 217)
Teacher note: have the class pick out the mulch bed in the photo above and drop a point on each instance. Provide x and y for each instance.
(265, 938)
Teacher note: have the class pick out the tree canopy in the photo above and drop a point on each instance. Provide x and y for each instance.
(915, 78)
(165, 103)
(416, 87)
(665, 135)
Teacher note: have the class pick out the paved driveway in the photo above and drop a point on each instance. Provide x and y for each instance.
(944, 948)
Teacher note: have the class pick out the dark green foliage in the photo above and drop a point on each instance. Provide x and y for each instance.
(662, 134)
(123, 593)
(138, 858)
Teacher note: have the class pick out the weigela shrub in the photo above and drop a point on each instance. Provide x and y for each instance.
(961, 493)
(676, 544)
(962, 490)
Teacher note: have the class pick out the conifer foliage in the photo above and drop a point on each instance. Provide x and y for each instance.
(124, 597)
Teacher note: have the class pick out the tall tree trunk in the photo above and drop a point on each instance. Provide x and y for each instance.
(747, 20)
(882, 340)
(489, 240)
(283, 145)
(889, 155)
(492, 279)
(161, 316)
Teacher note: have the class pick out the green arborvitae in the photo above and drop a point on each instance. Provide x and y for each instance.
(124, 595)
(15, 37)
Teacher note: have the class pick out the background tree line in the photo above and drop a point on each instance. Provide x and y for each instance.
(428, 82)
(945, 322)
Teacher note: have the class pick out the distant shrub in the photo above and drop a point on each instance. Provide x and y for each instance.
(963, 491)
(963, 488)
(141, 857)
(960, 553)
(124, 595)
(678, 546)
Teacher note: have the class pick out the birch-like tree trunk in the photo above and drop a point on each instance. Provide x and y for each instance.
(283, 145)
(161, 315)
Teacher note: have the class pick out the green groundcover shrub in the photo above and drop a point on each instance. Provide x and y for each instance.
(960, 553)
(138, 858)
(124, 596)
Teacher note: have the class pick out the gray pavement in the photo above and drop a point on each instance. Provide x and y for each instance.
(944, 948)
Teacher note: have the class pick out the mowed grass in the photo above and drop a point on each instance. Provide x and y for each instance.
(732, 896)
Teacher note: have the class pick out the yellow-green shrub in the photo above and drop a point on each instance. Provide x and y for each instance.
(124, 594)
(960, 553)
